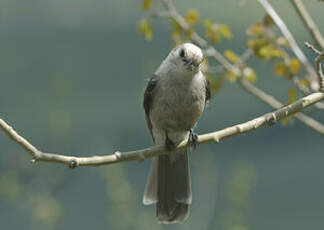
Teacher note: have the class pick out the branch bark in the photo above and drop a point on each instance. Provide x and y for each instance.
(140, 155)
(318, 63)
(274, 103)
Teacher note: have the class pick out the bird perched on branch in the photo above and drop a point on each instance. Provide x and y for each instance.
(174, 99)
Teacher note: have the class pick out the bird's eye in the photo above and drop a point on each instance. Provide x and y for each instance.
(182, 53)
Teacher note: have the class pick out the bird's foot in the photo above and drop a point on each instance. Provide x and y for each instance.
(193, 138)
(168, 143)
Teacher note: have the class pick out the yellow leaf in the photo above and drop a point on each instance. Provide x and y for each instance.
(149, 35)
(304, 82)
(276, 53)
(251, 44)
(255, 30)
(192, 17)
(189, 33)
(230, 55)
(176, 31)
(231, 76)
(175, 34)
(265, 52)
(280, 69)
(215, 84)
(281, 41)
(145, 28)
(178, 42)
(212, 31)
(286, 121)
(147, 4)
(267, 21)
(257, 43)
(212, 35)
(292, 95)
(204, 64)
(262, 48)
(215, 37)
(208, 23)
(225, 31)
(294, 66)
(249, 74)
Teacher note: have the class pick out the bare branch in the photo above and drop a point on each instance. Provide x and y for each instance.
(274, 103)
(318, 62)
(312, 48)
(292, 42)
(159, 15)
(139, 155)
(309, 23)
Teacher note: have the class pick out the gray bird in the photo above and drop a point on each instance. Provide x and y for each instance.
(174, 99)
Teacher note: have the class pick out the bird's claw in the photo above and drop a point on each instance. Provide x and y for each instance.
(193, 138)
(169, 144)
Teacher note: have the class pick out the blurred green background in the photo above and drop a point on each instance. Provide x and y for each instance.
(72, 77)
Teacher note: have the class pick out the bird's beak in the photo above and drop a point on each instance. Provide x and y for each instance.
(194, 63)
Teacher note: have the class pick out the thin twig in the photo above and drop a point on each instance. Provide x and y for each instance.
(308, 21)
(139, 155)
(246, 55)
(318, 62)
(312, 48)
(159, 15)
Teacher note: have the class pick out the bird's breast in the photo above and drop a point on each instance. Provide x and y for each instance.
(178, 105)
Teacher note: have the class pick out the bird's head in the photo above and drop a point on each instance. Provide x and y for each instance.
(187, 57)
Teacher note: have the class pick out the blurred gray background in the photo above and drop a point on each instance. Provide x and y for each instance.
(72, 77)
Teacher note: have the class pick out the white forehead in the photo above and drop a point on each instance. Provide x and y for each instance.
(191, 48)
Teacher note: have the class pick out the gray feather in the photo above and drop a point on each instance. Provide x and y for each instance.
(169, 186)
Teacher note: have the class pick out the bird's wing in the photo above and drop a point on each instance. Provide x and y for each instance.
(148, 100)
(207, 89)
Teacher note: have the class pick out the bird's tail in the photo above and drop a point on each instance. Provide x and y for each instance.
(169, 186)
